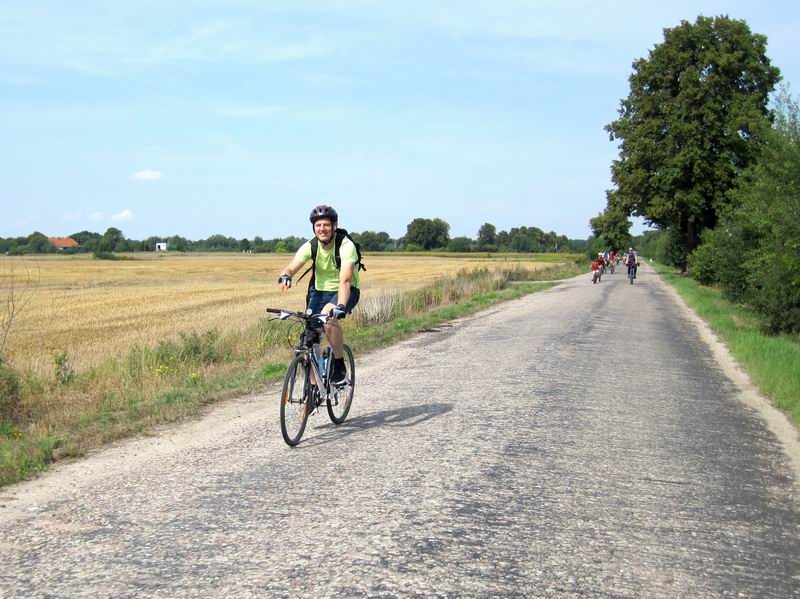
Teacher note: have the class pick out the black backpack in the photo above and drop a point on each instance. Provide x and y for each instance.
(341, 234)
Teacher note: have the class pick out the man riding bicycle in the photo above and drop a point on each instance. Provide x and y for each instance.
(334, 288)
(631, 261)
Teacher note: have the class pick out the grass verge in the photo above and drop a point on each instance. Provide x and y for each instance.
(773, 362)
(44, 419)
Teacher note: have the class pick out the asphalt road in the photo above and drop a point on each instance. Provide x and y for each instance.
(584, 441)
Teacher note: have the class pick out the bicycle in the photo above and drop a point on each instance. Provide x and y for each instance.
(307, 382)
(631, 272)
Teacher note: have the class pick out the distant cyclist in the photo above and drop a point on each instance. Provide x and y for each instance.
(596, 269)
(334, 287)
(631, 261)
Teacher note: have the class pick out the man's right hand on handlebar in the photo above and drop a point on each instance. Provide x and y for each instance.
(338, 311)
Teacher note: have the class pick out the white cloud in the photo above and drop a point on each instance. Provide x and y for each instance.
(121, 217)
(147, 174)
(97, 215)
(72, 216)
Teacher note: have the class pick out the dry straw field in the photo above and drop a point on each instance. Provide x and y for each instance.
(95, 309)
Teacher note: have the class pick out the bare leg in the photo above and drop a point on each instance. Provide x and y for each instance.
(333, 330)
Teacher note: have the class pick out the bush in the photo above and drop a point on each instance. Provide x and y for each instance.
(459, 244)
(63, 371)
(775, 291)
(754, 253)
(9, 391)
(193, 349)
(200, 348)
(703, 265)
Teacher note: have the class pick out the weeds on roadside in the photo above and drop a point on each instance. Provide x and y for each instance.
(63, 371)
(9, 391)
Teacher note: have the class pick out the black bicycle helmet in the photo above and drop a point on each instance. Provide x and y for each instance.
(324, 211)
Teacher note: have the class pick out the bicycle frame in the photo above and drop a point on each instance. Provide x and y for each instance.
(305, 347)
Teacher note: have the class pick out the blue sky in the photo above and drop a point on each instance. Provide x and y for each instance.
(195, 118)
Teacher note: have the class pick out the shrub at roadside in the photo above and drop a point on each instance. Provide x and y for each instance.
(9, 391)
(754, 252)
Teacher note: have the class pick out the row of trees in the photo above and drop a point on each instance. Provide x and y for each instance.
(421, 234)
(113, 240)
(704, 158)
(431, 234)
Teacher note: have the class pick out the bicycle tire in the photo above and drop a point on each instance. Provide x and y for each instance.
(296, 394)
(340, 399)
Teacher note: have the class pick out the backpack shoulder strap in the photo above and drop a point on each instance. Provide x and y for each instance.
(314, 243)
(341, 234)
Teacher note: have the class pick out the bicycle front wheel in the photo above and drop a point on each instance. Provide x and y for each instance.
(341, 397)
(296, 400)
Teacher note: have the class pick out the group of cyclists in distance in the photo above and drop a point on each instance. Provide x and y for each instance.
(608, 261)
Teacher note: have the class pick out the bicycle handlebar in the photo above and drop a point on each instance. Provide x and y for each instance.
(284, 314)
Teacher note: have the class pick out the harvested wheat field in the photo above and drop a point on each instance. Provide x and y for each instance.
(93, 309)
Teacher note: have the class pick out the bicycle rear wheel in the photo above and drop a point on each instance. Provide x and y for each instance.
(341, 397)
(296, 397)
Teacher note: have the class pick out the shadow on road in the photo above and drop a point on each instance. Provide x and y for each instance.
(398, 417)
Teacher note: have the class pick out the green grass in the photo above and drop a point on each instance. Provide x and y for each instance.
(129, 395)
(773, 362)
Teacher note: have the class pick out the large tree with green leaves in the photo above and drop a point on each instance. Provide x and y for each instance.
(487, 235)
(612, 226)
(693, 120)
(428, 233)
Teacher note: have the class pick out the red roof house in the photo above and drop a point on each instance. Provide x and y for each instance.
(62, 243)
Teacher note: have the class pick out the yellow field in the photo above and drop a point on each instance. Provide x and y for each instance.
(95, 309)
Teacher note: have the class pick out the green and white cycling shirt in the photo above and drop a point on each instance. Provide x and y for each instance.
(326, 275)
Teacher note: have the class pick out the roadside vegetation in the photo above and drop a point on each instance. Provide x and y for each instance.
(46, 416)
(772, 361)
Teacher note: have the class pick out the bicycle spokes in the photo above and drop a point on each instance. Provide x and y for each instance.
(295, 406)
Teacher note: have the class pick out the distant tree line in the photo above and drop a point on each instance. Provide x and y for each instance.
(113, 241)
(434, 234)
(421, 234)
